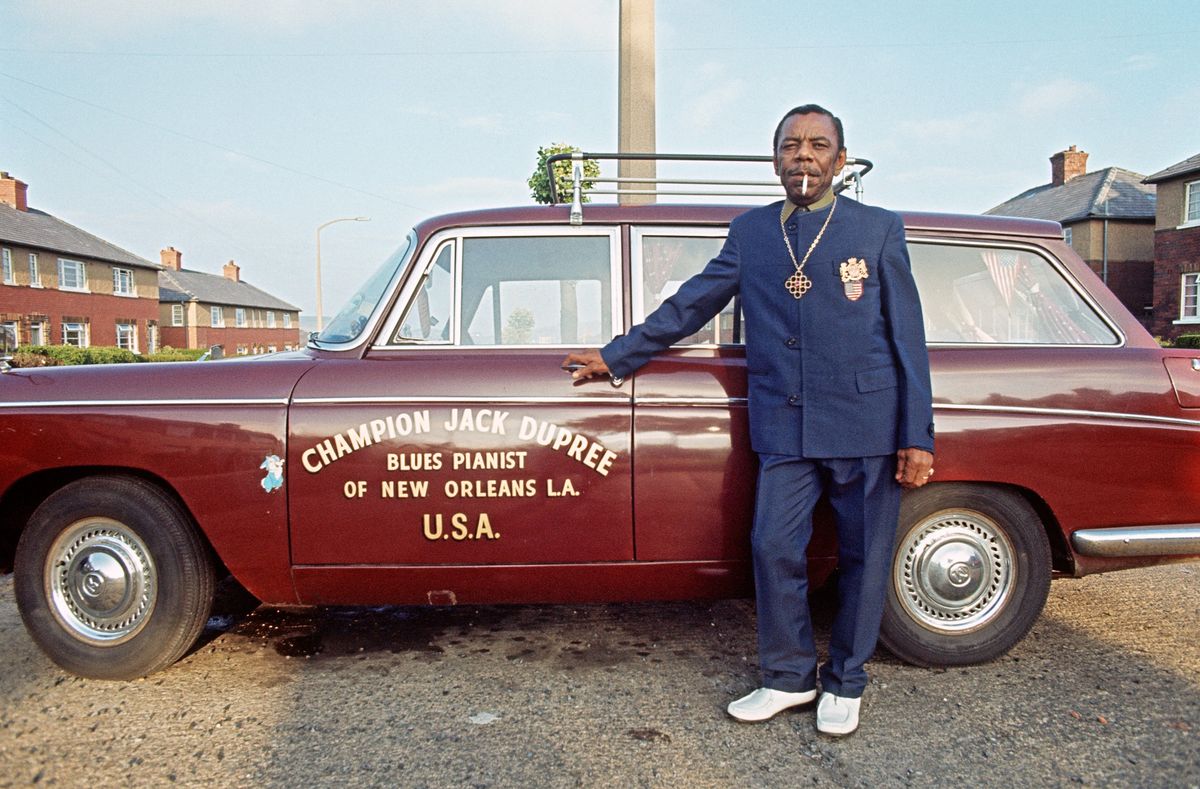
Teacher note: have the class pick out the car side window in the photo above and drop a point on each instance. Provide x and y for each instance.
(536, 290)
(430, 315)
(663, 262)
(995, 295)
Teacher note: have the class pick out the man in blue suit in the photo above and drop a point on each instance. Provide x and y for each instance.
(840, 404)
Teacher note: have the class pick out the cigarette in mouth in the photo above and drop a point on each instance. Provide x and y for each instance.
(804, 185)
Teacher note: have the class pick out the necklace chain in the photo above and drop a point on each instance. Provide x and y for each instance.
(798, 284)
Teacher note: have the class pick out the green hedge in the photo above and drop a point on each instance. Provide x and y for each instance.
(1186, 341)
(55, 355)
(169, 354)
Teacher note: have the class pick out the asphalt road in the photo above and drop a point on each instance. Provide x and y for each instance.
(1104, 692)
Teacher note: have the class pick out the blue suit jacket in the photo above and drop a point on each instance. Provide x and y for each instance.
(829, 376)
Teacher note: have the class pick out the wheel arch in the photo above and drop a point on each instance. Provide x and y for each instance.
(24, 496)
(1063, 560)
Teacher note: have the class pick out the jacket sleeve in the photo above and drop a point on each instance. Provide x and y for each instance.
(693, 305)
(906, 329)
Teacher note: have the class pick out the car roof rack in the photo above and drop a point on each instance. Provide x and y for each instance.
(852, 174)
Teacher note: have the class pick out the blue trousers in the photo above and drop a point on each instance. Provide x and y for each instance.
(866, 503)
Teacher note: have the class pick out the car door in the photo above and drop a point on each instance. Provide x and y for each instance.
(694, 490)
(456, 439)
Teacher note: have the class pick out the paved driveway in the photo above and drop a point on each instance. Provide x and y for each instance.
(1104, 692)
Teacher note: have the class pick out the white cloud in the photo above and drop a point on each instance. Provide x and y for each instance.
(1056, 96)
(956, 129)
(1140, 62)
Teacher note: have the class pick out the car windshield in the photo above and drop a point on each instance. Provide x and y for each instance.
(354, 316)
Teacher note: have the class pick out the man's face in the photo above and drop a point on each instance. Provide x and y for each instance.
(808, 144)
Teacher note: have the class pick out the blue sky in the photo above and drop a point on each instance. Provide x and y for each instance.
(230, 130)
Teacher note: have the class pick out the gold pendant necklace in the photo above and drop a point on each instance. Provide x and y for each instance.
(799, 283)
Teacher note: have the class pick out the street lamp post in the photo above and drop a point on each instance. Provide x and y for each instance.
(320, 313)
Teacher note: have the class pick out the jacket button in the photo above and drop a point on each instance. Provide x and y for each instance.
(793, 400)
(791, 342)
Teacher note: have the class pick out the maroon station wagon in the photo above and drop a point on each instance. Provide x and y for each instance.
(426, 447)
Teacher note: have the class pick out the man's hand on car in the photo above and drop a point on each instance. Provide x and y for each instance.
(585, 364)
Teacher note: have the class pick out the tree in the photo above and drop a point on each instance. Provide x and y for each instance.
(539, 184)
(519, 329)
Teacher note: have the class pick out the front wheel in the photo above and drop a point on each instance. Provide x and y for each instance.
(112, 579)
(970, 574)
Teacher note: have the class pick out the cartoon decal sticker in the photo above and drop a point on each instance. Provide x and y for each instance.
(274, 479)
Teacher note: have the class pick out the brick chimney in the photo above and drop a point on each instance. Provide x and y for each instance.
(1066, 165)
(232, 271)
(171, 258)
(13, 192)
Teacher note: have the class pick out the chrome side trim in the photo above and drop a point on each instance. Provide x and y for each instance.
(1180, 539)
(1072, 412)
(691, 401)
(143, 403)
(615, 399)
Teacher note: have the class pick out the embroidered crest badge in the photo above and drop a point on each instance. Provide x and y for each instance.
(854, 271)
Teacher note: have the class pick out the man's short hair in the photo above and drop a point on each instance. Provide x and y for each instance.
(809, 109)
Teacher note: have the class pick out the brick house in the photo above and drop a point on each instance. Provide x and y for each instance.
(1107, 218)
(60, 285)
(1177, 249)
(201, 310)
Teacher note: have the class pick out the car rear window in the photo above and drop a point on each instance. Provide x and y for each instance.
(1003, 296)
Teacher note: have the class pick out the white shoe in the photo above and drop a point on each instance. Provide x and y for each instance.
(766, 703)
(837, 715)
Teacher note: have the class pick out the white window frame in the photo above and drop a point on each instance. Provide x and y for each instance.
(38, 329)
(1183, 293)
(1067, 235)
(35, 271)
(123, 282)
(176, 314)
(240, 316)
(63, 265)
(216, 317)
(82, 328)
(270, 319)
(130, 330)
(16, 331)
(7, 267)
(287, 321)
(151, 337)
(1190, 191)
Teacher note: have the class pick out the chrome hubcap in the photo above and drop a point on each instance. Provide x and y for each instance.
(954, 571)
(100, 581)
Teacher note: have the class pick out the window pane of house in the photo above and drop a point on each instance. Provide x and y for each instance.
(74, 334)
(125, 337)
(176, 314)
(217, 316)
(1191, 296)
(1193, 201)
(35, 275)
(989, 295)
(550, 290)
(71, 275)
(37, 333)
(6, 267)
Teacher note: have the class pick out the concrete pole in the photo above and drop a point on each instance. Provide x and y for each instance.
(635, 95)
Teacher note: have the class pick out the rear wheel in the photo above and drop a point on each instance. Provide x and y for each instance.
(112, 579)
(970, 575)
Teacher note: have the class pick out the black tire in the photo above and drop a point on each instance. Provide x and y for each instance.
(112, 578)
(970, 575)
